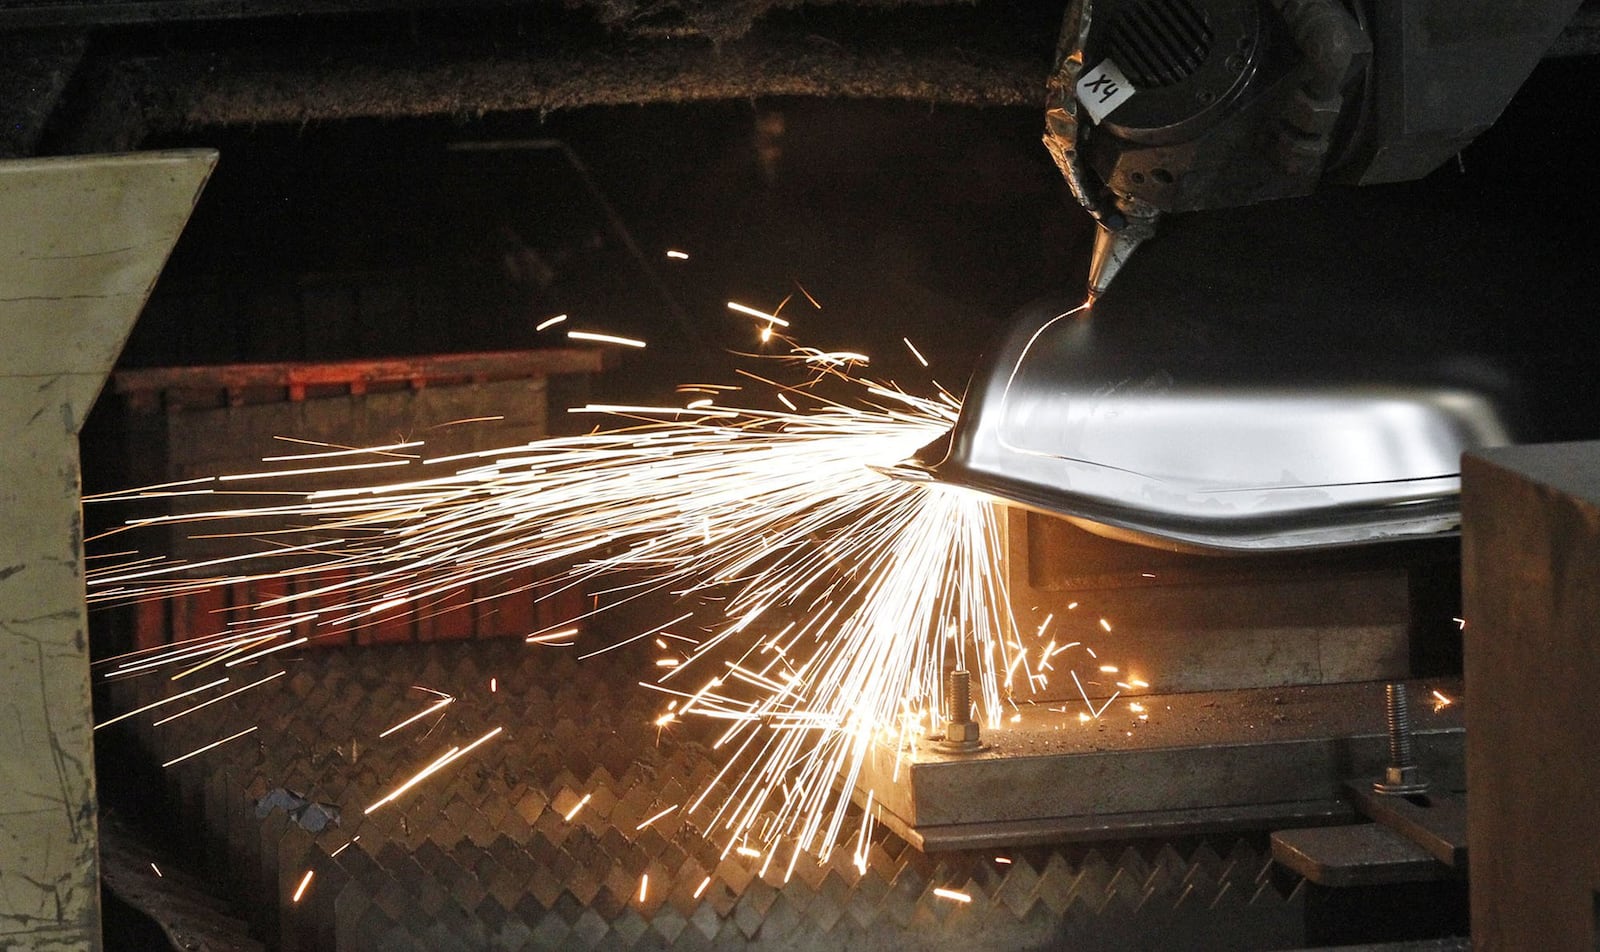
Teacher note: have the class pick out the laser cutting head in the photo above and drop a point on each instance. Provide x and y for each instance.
(1161, 106)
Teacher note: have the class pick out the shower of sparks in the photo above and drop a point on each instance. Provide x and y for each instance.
(221, 697)
(155, 704)
(827, 600)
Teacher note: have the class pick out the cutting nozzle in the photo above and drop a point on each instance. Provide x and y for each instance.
(1113, 246)
(1112, 249)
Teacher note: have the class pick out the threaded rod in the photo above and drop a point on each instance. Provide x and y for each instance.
(1401, 753)
(958, 688)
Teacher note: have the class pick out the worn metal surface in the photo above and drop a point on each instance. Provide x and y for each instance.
(1216, 759)
(483, 856)
(1436, 822)
(81, 243)
(543, 58)
(1367, 854)
(1531, 535)
(1193, 623)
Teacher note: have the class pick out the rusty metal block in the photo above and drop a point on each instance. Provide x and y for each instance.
(1531, 576)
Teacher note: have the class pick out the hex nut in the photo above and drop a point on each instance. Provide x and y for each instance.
(961, 733)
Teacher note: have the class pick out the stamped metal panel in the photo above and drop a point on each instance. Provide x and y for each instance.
(1138, 439)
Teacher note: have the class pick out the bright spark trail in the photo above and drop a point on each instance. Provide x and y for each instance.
(828, 599)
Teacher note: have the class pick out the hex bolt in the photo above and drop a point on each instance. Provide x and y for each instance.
(960, 730)
(1402, 776)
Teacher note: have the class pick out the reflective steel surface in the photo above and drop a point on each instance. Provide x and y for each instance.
(1126, 429)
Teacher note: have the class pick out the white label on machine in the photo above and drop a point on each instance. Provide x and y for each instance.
(1103, 89)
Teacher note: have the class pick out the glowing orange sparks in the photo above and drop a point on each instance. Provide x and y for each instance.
(221, 697)
(656, 817)
(597, 338)
(448, 757)
(771, 319)
(576, 807)
(156, 704)
(211, 746)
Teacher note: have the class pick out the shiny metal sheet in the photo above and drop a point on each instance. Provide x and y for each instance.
(1238, 442)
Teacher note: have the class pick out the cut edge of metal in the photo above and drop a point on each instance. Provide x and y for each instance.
(1424, 518)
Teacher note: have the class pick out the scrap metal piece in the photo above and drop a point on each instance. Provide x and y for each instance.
(1438, 823)
(1368, 854)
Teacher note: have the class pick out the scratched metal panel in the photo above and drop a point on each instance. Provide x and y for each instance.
(81, 242)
